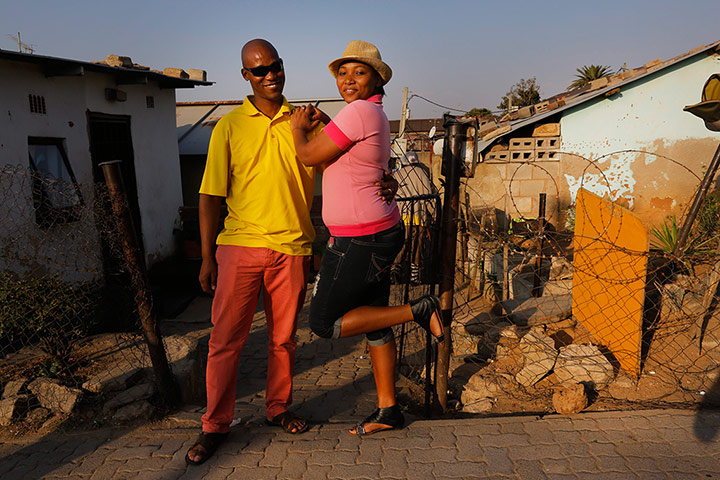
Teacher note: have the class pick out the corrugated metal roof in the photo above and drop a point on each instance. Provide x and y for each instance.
(196, 120)
(582, 95)
(55, 66)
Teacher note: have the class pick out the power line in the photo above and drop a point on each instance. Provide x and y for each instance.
(434, 103)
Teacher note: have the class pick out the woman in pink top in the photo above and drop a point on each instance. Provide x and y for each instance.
(353, 288)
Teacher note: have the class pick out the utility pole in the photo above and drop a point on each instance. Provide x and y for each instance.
(403, 113)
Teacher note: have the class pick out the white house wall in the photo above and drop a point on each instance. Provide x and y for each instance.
(155, 150)
(68, 100)
(645, 116)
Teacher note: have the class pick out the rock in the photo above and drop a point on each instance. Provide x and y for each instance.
(580, 335)
(119, 61)
(476, 405)
(510, 331)
(539, 353)
(508, 356)
(15, 387)
(13, 408)
(52, 423)
(539, 310)
(53, 396)
(583, 363)
(176, 72)
(118, 378)
(691, 283)
(134, 411)
(569, 399)
(622, 388)
(672, 299)
(195, 74)
(533, 373)
(37, 416)
(462, 343)
(560, 269)
(131, 395)
(552, 328)
(483, 386)
(557, 287)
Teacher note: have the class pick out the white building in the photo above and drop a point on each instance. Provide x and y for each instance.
(60, 118)
(625, 137)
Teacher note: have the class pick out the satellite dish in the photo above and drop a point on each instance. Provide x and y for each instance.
(438, 146)
(431, 134)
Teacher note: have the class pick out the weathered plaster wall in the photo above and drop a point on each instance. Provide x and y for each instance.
(673, 146)
(514, 188)
(68, 100)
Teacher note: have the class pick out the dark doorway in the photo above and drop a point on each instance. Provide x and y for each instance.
(110, 139)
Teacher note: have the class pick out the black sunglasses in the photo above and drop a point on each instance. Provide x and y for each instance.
(261, 71)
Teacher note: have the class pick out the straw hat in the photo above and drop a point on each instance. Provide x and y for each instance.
(364, 52)
(709, 108)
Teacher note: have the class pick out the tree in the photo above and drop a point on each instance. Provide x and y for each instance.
(588, 73)
(525, 92)
(480, 112)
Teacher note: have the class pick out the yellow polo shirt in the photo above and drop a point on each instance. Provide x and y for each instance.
(252, 162)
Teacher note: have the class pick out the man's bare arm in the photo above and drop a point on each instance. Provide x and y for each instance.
(208, 213)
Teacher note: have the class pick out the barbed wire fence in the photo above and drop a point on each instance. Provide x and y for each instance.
(529, 320)
(541, 308)
(70, 333)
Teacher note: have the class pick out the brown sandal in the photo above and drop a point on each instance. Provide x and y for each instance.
(209, 442)
(285, 420)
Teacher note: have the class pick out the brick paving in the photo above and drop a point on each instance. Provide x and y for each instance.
(334, 389)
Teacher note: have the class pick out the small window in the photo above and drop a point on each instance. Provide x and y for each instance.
(37, 104)
(150, 101)
(55, 191)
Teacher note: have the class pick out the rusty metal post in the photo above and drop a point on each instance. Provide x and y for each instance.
(541, 238)
(453, 164)
(697, 203)
(136, 266)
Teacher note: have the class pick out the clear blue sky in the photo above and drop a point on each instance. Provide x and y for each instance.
(461, 54)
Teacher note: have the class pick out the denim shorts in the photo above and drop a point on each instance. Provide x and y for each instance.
(355, 271)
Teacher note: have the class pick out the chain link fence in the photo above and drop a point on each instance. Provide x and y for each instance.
(69, 329)
(540, 308)
(558, 317)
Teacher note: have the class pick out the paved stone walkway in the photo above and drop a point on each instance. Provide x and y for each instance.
(334, 389)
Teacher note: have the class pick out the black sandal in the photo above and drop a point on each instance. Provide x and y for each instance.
(208, 441)
(423, 309)
(390, 416)
(285, 420)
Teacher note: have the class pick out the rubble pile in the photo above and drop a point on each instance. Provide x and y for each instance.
(532, 354)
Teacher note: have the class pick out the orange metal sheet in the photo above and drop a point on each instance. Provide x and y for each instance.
(610, 266)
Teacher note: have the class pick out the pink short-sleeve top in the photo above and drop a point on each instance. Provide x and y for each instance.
(351, 204)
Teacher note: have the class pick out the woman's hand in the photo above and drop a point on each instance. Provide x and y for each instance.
(301, 119)
(388, 187)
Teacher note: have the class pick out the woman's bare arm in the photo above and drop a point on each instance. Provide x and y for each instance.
(320, 149)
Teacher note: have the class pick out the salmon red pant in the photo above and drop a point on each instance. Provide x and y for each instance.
(241, 273)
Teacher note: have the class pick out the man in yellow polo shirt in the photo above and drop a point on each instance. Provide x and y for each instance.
(266, 241)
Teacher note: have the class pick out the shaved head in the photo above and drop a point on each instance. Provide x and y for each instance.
(251, 48)
(268, 84)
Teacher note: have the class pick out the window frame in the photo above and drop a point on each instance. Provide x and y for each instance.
(46, 214)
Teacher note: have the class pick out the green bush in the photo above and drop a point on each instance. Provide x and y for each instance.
(48, 310)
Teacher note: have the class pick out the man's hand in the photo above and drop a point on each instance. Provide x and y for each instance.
(319, 115)
(388, 187)
(208, 276)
